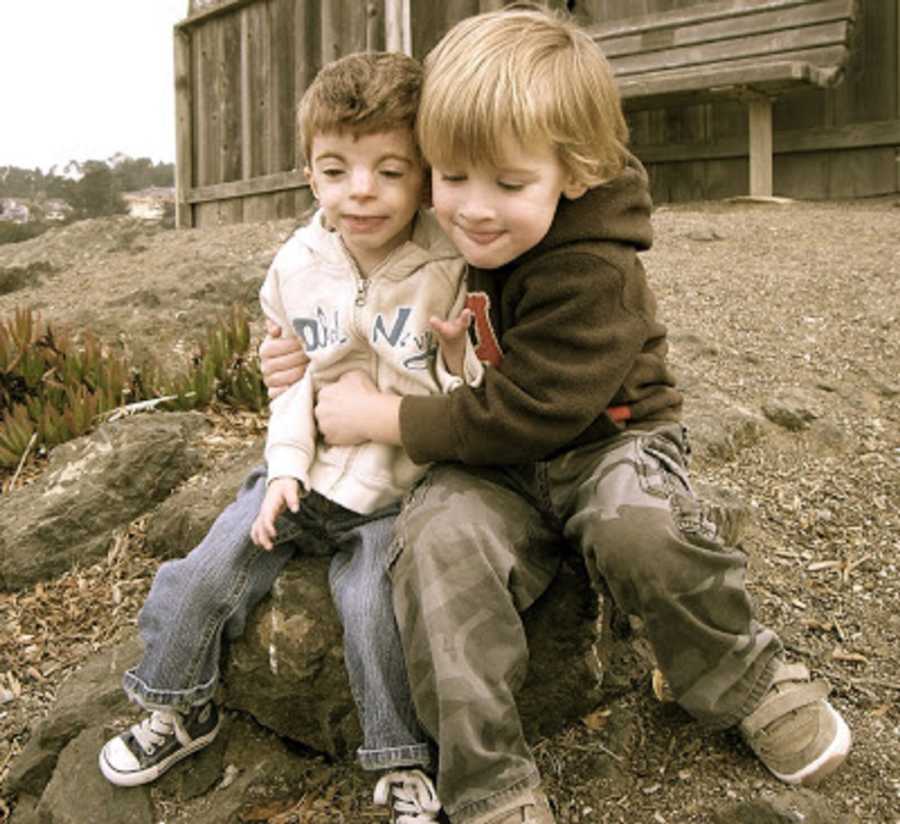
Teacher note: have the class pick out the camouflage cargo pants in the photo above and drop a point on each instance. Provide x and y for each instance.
(475, 546)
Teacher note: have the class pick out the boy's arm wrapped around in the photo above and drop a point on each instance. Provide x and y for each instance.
(580, 349)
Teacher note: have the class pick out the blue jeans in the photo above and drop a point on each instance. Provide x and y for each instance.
(198, 599)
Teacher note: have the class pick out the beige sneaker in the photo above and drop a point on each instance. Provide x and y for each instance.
(411, 796)
(794, 731)
(535, 810)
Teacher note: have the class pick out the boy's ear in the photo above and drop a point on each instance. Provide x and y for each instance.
(312, 183)
(574, 189)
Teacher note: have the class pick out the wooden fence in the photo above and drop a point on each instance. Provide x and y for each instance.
(241, 65)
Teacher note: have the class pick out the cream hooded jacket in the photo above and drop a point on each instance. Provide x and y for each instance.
(378, 324)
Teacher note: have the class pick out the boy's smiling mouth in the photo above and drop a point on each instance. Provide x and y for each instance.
(480, 237)
(363, 223)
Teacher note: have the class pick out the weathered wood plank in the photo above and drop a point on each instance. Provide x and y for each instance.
(260, 49)
(259, 207)
(810, 41)
(281, 92)
(851, 136)
(657, 18)
(732, 29)
(246, 106)
(255, 186)
(184, 130)
(649, 91)
(203, 15)
(397, 26)
(307, 58)
(230, 97)
(862, 173)
(353, 27)
(330, 32)
(205, 148)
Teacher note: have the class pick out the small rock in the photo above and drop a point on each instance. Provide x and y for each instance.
(793, 409)
(792, 807)
(705, 235)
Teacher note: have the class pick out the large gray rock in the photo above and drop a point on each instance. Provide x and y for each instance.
(92, 486)
(78, 793)
(287, 670)
(89, 697)
(181, 521)
(718, 427)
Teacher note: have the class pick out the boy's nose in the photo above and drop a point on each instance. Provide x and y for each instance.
(362, 183)
(476, 208)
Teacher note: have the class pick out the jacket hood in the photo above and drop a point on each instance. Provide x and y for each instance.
(617, 211)
(428, 243)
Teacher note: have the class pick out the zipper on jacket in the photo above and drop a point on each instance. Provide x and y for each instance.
(362, 289)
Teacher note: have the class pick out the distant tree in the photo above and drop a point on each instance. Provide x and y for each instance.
(98, 193)
(140, 173)
(98, 188)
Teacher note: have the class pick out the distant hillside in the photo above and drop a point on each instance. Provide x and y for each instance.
(92, 188)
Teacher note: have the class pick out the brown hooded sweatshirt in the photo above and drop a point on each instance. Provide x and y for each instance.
(569, 331)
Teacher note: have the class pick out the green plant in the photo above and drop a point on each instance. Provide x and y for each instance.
(56, 389)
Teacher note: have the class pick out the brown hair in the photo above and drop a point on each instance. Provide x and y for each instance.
(361, 93)
(526, 73)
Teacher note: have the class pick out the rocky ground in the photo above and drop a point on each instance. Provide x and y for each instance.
(787, 313)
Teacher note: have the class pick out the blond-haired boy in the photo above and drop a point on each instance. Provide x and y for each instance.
(575, 431)
(361, 286)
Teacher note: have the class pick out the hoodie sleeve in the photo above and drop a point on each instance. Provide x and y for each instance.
(573, 340)
(290, 439)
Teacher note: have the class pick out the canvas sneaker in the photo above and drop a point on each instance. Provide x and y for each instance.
(794, 731)
(411, 796)
(145, 751)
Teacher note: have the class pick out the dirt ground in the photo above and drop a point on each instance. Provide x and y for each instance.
(762, 301)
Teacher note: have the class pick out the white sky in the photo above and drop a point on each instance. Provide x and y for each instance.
(84, 79)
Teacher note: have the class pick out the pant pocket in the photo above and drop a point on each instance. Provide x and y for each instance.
(663, 473)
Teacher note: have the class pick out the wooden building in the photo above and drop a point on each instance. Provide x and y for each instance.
(241, 65)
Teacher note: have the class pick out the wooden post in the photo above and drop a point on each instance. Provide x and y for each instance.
(760, 147)
(371, 27)
(184, 132)
(331, 31)
(397, 26)
(897, 111)
(247, 136)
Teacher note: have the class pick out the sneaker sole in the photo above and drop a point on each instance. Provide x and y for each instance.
(135, 779)
(828, 761)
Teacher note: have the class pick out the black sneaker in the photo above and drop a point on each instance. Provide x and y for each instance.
(144, 752)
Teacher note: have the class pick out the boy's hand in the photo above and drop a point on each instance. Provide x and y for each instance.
(352, 410)
(452, 337)
(282, 360)
(281, 493)
(341, 409)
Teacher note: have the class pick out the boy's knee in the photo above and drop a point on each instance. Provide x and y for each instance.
(634, 548)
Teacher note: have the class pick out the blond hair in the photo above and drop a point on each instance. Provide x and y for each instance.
(362, 94)
(526, 73)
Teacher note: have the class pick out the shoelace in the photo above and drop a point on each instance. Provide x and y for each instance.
(415, 799)
(154, 730)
